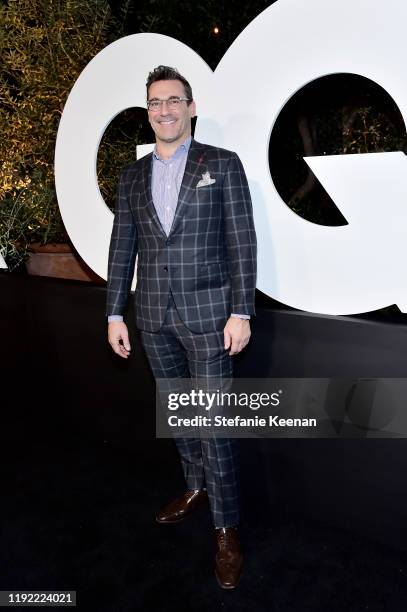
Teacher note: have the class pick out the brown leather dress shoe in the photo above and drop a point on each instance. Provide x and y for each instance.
(229, 557)
(182, 507)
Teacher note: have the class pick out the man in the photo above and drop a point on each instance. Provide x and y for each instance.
(186, 211)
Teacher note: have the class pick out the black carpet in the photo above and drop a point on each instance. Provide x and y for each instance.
(81, 516)
(82, 474)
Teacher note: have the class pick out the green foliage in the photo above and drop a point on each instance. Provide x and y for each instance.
(45, 44)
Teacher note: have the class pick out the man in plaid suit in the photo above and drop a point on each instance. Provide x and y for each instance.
(186, 211)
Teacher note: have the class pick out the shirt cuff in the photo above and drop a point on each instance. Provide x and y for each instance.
(240, 316)
(111, 318)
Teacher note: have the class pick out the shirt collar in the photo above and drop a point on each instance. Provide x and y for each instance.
(183, 148)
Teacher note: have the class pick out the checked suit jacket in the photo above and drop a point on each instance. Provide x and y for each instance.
(208, 260)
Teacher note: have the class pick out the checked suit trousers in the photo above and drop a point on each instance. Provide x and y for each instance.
(212, 463)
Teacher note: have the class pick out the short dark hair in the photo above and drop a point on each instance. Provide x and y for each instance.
(166, 73)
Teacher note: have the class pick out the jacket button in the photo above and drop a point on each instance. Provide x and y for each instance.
(166, 268)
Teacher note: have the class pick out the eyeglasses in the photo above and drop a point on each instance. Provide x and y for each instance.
(173, 103)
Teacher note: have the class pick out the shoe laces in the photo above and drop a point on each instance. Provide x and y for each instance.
(224, 539)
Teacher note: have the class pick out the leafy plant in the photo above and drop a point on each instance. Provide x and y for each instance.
(45, 44)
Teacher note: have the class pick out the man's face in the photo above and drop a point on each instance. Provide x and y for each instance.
(169, 125)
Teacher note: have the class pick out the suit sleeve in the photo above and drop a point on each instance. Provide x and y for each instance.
(240, 237)
(122, 251)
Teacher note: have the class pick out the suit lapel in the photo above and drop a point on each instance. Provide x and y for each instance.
(146, 173)
(192, 174)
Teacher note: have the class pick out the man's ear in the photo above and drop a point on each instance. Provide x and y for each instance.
(192, 109)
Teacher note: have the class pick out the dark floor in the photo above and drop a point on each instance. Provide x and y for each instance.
(82, 474)
(80, 516)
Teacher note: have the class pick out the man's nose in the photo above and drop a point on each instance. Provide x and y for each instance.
(164, 107)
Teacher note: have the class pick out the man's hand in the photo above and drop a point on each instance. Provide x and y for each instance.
(117, 330)
(237, 334)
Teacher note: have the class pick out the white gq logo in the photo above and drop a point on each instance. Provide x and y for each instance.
(334, 270)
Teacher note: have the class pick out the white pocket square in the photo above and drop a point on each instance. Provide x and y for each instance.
(206, 180)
